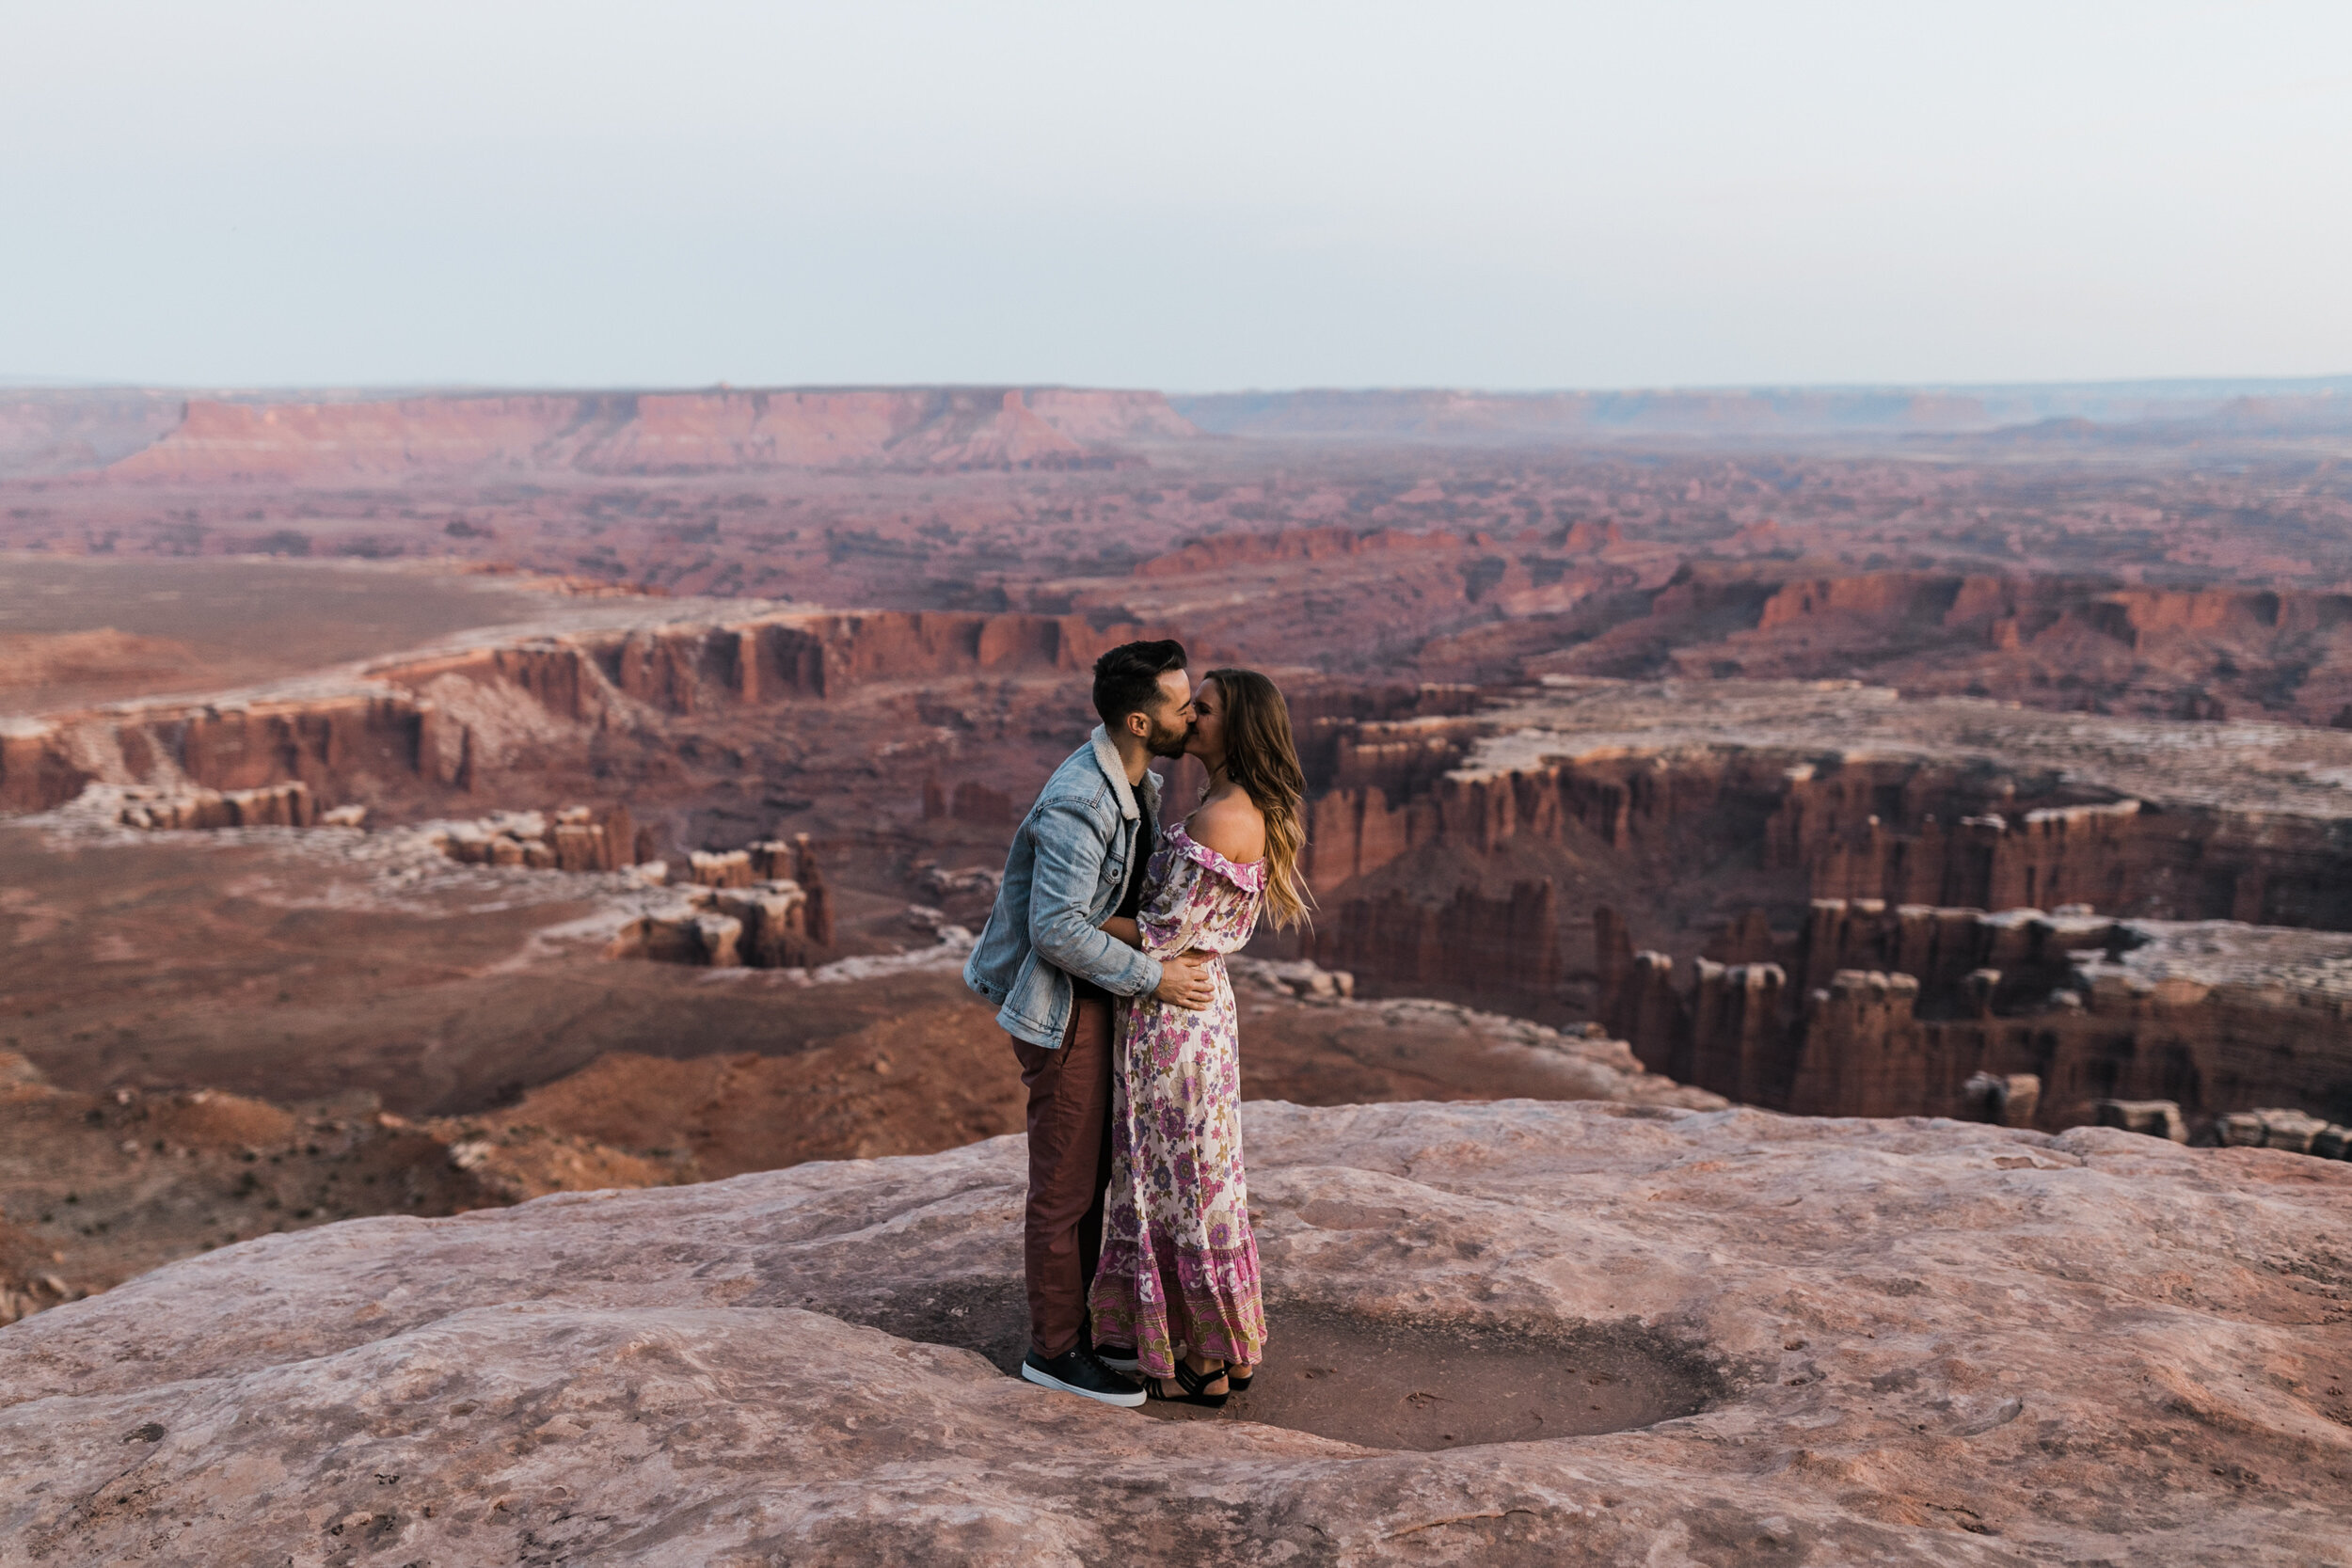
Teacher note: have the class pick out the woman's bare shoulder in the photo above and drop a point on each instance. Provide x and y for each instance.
(1232, 826)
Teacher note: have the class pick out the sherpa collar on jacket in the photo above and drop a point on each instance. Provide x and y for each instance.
(1106, 756)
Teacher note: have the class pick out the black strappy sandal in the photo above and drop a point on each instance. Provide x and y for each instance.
(1195, 1386)
(1239, 1378)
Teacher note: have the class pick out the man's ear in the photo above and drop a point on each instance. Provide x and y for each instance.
(1139, 725)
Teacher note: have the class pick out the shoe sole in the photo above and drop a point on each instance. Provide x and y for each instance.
(1046, 1380)
(1120, 1363)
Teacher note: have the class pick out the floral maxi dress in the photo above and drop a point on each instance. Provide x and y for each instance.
(1179, 1267)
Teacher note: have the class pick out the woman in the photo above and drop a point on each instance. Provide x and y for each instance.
(1176, 1295)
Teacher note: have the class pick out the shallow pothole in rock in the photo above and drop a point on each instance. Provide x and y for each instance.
(1424, 1385)
(1407, 1384)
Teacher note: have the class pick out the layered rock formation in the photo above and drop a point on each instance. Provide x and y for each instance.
(439, 723)
(1413, 944)
(1849, 821)
(1832, 1341)
(287, 805)
(575, 838)
(2183, 653)
(740, 908)
(1813, 866)
(1784, 793)
(1892, 1011)
(923, 428)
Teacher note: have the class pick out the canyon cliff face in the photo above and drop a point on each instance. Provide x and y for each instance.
(1904, 831)
(2183, 653)
(1891, 1011)
(1831, 928)
(933, 429)
(447, 722)
(1412, 944)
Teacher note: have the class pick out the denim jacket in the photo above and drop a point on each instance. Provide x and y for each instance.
(1063, 878)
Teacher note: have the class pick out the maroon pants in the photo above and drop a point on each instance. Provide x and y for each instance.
(1069, 1168)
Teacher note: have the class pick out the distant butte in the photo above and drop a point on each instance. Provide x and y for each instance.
(949, 429)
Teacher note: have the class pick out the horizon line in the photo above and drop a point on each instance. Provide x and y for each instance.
(2181, 385)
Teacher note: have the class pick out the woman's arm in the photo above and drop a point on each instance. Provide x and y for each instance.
(1120, 928)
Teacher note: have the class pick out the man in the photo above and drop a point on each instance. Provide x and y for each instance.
(1077, 860)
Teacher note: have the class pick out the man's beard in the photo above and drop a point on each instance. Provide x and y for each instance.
(1171, 742)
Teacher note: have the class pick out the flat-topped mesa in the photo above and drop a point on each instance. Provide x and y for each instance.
(762, 907)
(762, 924)
(421, 726)
(719, 868)
(576, 838)
(273, 806)
(929, 428)
(178, 748)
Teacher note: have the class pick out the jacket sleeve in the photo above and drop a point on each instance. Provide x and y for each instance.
(1068, 868)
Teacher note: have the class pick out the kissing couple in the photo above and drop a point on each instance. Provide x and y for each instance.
(1106, 957)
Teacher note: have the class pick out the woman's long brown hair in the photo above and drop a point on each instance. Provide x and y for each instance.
(1261, 757)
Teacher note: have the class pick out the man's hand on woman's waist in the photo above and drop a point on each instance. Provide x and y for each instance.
(1185, 982)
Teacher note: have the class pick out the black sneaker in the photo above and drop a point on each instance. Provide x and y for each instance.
(1120, 1359)
(1076, 1372)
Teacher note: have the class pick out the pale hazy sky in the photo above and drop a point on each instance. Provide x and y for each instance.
(1193, 195)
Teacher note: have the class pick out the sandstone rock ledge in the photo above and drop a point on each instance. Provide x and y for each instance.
(1912, 1341)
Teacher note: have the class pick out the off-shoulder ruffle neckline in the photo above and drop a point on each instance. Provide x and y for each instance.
(1250, 877)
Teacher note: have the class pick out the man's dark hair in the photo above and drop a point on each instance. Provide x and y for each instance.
(1127, 679)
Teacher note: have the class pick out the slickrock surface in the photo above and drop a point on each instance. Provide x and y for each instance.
(1903, 1342)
